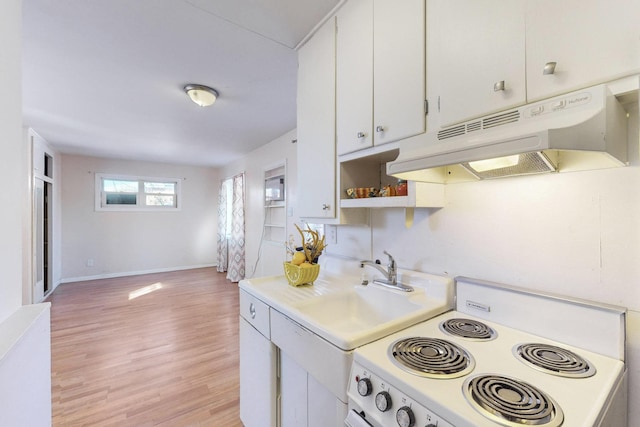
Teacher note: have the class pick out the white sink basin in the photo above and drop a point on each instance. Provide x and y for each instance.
(360, 308)
(361, 314)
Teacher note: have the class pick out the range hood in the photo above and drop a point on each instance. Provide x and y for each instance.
(582, 130)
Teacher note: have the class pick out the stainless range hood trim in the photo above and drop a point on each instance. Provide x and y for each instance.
(576, 137)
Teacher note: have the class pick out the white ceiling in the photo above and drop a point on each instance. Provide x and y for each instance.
(105, 78)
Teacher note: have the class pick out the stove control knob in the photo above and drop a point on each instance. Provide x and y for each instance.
(364, 387)
(405, 417)
(383, 401)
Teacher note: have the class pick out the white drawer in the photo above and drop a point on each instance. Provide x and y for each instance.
(255, 312)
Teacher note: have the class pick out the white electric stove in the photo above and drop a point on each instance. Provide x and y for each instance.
(504, 357)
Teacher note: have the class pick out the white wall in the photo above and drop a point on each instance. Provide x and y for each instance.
(121, 243)
(576, 234)
(254, 165)
(19, 365)
(12, 170)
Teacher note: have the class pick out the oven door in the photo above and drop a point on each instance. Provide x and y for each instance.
(354, 419)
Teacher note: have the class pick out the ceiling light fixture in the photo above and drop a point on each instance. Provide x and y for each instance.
(201, 95)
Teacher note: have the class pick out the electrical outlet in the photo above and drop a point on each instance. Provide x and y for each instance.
(90, 262)
(332, 234)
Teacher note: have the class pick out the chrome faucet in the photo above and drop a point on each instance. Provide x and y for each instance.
(390, 274)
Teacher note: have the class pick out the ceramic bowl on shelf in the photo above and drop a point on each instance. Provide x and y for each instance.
(387, 191)
(362, 192)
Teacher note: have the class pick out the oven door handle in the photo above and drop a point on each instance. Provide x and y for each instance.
(354, 419)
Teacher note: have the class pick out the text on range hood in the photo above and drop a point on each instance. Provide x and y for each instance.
(586, 129)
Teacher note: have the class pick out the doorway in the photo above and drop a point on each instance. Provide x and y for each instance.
(42, 253)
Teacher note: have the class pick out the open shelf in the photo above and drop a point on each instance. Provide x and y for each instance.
(370, 171)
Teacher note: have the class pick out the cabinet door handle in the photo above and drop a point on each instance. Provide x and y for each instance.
(325, 207)
(361, 134)
(379, 129)
(498, 86)
(549, 68)
(252, 310)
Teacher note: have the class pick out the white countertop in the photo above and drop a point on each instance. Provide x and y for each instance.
(355, 314)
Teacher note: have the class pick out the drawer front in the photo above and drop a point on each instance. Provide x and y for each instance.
(255, 312)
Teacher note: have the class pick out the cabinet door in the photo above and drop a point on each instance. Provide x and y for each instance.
(354, 76)
(293, 393)
(480, 43)
(324, 409)
(398, 69)
(257, 378)
(316, 125)
(591, 41)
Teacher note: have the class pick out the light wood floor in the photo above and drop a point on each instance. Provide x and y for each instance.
(165, 358)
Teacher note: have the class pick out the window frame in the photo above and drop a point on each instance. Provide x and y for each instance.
(140, 206)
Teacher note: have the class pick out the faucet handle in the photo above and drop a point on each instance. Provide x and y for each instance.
(392, 267)
(391, 260)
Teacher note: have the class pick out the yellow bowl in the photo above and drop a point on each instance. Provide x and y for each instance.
(297, 275)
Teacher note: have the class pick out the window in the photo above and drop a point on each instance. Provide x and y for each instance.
(131, 193)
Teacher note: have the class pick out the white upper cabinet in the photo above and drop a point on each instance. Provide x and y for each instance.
(316, 125)
(591, 41)
(479, 58)
(398, 69)
(491, 55)
(354, 76)
(380, 72)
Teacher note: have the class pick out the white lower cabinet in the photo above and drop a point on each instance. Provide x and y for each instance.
(258, 385)
(313, 376)
(304, 401)
(293, 393)
(289, 376)
(323, 408)
(258, 365)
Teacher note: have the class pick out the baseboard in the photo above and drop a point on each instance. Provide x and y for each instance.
(132, 273)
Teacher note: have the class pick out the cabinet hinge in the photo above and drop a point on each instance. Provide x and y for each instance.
(426, 107)
(438, 104)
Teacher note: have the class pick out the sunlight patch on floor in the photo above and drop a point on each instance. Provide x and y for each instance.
(144, 291)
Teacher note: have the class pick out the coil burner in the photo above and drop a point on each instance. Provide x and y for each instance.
(511, 402)
(431, 357)
(468, 328)
(554, 360)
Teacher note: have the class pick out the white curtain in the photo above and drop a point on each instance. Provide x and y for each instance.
(231, 228)
(223, 197)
